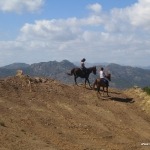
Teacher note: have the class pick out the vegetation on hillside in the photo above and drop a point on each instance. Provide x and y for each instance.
(147, 90)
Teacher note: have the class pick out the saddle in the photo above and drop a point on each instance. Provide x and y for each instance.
(83, 71)
(105, 81)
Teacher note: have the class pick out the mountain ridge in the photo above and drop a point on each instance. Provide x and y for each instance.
(122, 76)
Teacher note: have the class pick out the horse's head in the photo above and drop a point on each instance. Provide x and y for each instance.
(109, 76)
(94, 70)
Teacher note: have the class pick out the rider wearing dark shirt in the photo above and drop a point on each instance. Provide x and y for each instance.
(83, 68)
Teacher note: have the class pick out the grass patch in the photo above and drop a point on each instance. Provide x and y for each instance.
(147, 90)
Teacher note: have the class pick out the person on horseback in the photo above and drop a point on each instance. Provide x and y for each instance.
(83, 68)
(103, 76)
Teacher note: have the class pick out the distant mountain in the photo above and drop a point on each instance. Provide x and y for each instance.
(7, 72)
(122, 76)
(16, 66)
(52, 69)
(148, 67)
(92, 64)
(127, 76)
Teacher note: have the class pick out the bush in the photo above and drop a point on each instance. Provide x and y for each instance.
(147, 90)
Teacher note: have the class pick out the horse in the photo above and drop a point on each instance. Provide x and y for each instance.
(77, 72)
(102, 83)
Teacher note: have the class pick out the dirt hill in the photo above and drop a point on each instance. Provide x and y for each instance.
(43, 114)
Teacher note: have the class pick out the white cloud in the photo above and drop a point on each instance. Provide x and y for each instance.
(95, 7)
(139, 14)
(133, 17)
(55, 30)
(118, 36)
(20, 6)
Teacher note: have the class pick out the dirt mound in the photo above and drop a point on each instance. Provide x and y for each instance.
(43, 114)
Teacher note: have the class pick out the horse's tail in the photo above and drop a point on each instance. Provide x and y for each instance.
(97, 83)
(71, 73)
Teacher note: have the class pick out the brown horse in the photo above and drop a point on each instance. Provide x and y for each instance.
(102, 83)
(77, 72)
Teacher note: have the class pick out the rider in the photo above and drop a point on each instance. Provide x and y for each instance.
(103, 76)
(83, 68)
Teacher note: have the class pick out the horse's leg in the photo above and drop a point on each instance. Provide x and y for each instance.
(103, 90)
(107, 90)
(85, 83)
(75, 80)
(89, 83)
(98, 88)
(95, 83)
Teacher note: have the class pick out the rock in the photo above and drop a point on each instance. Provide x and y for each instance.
(19, 73)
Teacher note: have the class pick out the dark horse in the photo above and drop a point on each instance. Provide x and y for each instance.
(102, 83)
(77, 72)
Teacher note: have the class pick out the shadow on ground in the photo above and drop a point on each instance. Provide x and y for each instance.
(125, 100)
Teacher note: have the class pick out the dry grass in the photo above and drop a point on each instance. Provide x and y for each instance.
(142, 95)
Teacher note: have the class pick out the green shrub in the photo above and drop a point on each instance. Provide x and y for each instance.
(147, 90)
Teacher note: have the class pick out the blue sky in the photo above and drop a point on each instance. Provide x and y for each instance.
(114, 31)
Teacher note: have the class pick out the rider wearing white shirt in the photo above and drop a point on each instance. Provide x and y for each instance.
(102, 75)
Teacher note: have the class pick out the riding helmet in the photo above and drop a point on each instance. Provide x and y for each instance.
(83, 60)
